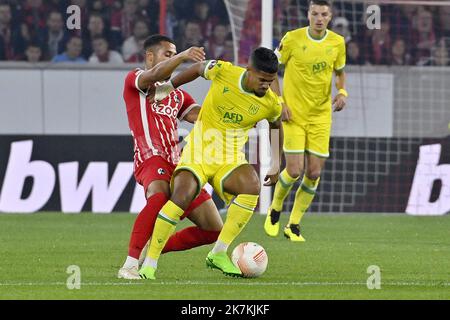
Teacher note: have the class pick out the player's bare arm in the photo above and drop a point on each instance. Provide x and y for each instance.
(192, 115)
(163, 70)
(286, 113)
(190, 74)
(340, 100)
(276, 129)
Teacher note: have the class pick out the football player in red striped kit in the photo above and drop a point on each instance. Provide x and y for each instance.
(153, 126)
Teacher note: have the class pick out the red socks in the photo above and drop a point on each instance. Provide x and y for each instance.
(144, 224)
(189, 238)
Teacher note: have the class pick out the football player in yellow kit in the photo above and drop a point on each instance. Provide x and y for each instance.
(237, 99)
(311, 55)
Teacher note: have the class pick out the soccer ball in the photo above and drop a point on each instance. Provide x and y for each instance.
(250, 258)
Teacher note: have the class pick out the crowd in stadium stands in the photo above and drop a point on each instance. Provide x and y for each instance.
(409, 35)
(114, 30)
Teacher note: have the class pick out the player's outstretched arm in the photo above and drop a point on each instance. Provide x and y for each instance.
(276, 149)
(163, 70)
(186, 76)
(189, 75)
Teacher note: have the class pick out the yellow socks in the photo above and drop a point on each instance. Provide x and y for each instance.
(282, 189)
(303, 198)
(165, 226)
(239, 213)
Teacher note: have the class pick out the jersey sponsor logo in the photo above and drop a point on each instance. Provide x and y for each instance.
(304, 48)
(253, 109)
(319, 67)
(230, 117)
(165, 110)
(226, 89)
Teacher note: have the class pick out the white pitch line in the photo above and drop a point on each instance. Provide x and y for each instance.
(196, 283)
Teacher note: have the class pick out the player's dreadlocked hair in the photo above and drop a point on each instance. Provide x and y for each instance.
(264, 59)
(155, 40)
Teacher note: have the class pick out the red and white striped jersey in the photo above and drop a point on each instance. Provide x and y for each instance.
(154, 125)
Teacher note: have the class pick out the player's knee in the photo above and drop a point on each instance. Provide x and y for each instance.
(313, 174)
(294, 171)
(182, 198)
(251, 186)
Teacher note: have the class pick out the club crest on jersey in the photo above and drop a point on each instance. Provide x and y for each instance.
(177, 100)
(161, 171)
(253, 109)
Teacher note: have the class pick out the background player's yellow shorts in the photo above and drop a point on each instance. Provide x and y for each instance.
(309, 138)
(214, 173)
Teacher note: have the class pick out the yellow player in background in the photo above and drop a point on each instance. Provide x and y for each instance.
(310, 56)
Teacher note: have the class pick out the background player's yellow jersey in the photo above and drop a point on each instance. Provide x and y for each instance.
(309, 71)
(229, 112)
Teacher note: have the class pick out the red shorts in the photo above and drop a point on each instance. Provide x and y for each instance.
(157, 168)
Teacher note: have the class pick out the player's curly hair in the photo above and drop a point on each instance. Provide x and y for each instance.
(264, 59)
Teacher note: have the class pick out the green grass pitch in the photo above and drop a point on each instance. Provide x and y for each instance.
(413, 254)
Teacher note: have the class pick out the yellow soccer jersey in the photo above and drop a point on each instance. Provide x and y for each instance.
(309, 71)
(229, 112)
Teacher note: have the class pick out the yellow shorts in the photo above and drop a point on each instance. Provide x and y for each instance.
(214, 173)
(310, 138)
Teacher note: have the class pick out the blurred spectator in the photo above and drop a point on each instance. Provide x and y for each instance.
(104, 7)
(228, 50)
(440, 57)
(399, 54)
(354, 56)
(192, 36)
(149, 10)
(12, 45)
(215, 46)
(131, 45)
(204, 19)
(57, 5)
(250, 34)
(73, 51)
(139, 56)
(54, 37)
(171, 19)
(34, 14)
(289, 16)
(340, 25)
(97, 28)
(379, 45)
(123, 20)
(444, 21)
(425, 37)
(102, 54)
(33, 53)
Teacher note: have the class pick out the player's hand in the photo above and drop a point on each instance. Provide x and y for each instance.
(339, 102)
(193, 54)
(286, 113)
(163, 90)
(271, 177)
